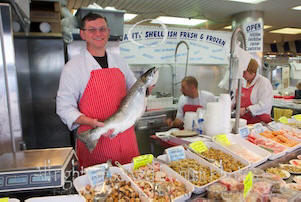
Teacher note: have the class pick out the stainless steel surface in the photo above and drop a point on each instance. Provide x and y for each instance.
(234, 38)
(34, 159)
(150, 123)
(10, 127)
(39, 65)
(175, 69)
(25, 92)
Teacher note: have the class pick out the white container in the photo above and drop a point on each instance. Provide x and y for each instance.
(190, 155)
(235, 156)
(63, 198)
(236, 139)
(214, 119)
(190, 120)
(81, 181)
(173, 174)
(274, 156)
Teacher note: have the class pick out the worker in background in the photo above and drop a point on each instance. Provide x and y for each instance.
(190, 101)
(256, 97)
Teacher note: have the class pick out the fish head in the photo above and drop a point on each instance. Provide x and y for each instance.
(150, 77)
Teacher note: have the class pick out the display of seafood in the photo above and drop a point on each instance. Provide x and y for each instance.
(229, 163)
(244, 153)
(266, 144)
(291, 168)
(156, 184)
(280, 137)
(279, 172)
(115, 188)
(292, 132)
(193, 171)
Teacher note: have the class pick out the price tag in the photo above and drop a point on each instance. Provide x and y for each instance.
(248, 183)
(244, 131)
(142, 160)
(274, 125)
(222, 139)
(4, 199)
(96, 175)
(283, 119)
(258, 128)
(198, 146)
(176, 153)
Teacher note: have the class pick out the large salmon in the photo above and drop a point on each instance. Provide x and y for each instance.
(131, 109)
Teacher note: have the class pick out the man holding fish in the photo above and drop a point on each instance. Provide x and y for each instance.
(100, 97)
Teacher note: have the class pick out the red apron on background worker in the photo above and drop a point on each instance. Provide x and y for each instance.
(190, 101)
(91, 89)
(256, 97)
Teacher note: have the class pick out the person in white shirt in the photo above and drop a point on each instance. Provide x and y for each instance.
(92, 86)
(257, 96)
(191, 100)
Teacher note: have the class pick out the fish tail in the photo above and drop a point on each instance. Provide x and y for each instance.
(85, 138)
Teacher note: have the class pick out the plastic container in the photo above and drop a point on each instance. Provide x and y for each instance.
(190, 155)
(215, 191)
(235, 139)
(64, 198)
(235, 156)
(81, 182)
(173, 174)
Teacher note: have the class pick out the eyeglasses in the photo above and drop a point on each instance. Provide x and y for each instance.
(93, 30)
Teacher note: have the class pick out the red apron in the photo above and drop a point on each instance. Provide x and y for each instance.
(101, 99)
(191, 108)
(245, 102)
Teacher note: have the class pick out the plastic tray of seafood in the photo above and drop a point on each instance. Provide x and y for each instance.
(230, 162)
(160, 183)
(294, 133)
(281, 138)
(196, 170)
(245, 149)
(277, 150)
(118, 187)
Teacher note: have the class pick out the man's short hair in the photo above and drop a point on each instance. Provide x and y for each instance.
(252, 67)
(90, 17)
(190, 80)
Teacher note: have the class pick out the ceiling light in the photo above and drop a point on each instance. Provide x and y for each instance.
(249, 1)
(287, 31)
(177, 21)
(129, 17)
(297, 8)
(266, 26)
(228, 27)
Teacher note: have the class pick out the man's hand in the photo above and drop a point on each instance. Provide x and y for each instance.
(242, 111)
(84, 120)
(149, 90)
(169, 122)
(95, 123)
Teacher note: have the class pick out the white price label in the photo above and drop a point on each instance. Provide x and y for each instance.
(258, 128)
(96, 175)
(275, 126)
(244, 131)
(176, 153)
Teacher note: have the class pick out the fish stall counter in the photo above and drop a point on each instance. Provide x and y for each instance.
(151, 122)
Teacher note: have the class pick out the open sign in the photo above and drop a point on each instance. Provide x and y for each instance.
(253, 27)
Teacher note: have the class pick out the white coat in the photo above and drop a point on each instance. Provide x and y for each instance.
(202, 100)
(261, 95)
(73, 81)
